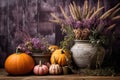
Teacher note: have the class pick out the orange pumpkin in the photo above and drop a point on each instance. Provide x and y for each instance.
(52, 48)
(59, 56)
(19, 64)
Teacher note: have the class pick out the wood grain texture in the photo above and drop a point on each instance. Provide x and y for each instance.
(5, 76)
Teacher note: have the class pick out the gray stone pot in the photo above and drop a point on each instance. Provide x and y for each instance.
(83, 53)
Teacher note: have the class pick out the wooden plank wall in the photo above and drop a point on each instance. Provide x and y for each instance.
(32, 16)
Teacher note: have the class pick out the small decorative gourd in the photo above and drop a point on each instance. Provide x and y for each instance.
(19, 63)
(55, 69)
(60, 56)
(41, 69)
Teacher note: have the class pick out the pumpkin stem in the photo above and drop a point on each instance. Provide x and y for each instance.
(40, 64)
(62, 51)
(17, 50)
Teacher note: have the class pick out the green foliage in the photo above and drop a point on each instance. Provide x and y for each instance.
(97, 39)
(68, 39)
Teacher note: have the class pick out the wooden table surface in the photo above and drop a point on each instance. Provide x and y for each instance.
(5, 76)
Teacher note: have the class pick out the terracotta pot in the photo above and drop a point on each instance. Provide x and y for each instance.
(83, 53)
(45, 58)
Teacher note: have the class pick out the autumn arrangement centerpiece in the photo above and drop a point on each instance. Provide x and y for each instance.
(92, 27)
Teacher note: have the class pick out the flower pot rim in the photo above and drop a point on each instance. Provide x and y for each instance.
(37, 54)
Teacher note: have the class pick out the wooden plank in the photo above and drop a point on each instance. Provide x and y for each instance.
(61, 77)
(5, 76)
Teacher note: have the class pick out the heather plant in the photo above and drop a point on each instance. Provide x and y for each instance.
(31, 45)
(86, 23)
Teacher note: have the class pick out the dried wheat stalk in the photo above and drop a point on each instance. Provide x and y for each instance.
(55, 21)
(76, 10)
(115, 18)
(87, 13)
(71, 12)
(114, 13)
(108, 13)
(98, 4)
(96, 12)
(79, 11)
(90, 13)
(85, 8)
(63, 12)
(111, 26)
(53, 15)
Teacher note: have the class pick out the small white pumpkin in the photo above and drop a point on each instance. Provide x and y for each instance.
(55, 69)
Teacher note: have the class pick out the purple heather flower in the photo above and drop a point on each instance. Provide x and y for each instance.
(38, 44)
(78, 24)
(87, 23)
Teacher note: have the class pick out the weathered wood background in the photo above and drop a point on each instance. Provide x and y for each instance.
(32, 16)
